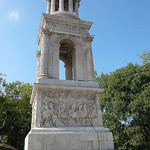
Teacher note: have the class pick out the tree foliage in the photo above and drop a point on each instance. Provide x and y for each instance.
(15, 113)
(145, 57)
(126, 105)
(2, 81)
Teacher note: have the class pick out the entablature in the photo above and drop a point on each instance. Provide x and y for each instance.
(61, 25)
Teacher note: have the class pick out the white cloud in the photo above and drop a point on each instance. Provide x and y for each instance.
(14, 15)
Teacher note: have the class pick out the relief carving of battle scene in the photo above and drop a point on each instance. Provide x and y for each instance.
(67, 109)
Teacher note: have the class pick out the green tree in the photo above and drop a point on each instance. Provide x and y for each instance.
(2, 81)
(126, 105)
(15, 113)
(145, 57)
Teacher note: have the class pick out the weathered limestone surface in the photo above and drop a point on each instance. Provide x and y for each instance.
(53, 30)
(66, 114)
(88, 138)
(67, 118)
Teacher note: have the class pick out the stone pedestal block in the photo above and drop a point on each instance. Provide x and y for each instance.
(69, 138)
(67, 117)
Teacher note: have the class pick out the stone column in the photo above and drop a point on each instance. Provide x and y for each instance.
(71, 6)
(52, 6)
(77, 7)
(61, 5)
(44, 55)
(48, 6)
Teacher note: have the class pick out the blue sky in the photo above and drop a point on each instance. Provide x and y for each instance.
(121, 29)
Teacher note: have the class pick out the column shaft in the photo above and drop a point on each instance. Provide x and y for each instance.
(70, 5)
(61, 5)
(77, 7)
(44, 57)
(48, 6)
(52, 6)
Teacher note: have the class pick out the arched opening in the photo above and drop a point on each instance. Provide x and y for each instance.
(66, 5)
(66, 54)
(57, 5)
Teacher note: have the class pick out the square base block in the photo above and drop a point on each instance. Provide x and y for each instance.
(84, 138)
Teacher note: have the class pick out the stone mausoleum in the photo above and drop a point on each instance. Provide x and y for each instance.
(66, 114)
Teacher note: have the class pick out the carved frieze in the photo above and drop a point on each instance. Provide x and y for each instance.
(66, 27)
(68, 109)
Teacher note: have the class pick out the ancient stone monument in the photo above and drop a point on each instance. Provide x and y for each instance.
(66, 114)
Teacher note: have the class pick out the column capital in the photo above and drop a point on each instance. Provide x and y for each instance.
(45, 32)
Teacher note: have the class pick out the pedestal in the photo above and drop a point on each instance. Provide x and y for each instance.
(67, 116)
(78, 138)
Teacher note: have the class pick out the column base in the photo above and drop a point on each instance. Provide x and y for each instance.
(69, 138)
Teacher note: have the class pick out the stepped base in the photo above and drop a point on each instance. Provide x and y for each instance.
(69, 138)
